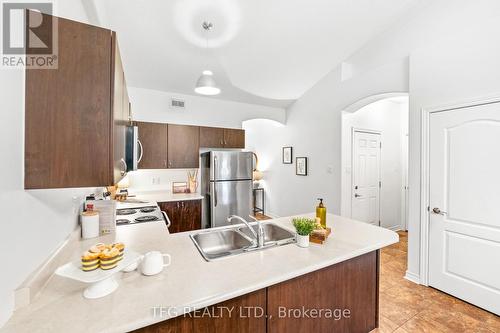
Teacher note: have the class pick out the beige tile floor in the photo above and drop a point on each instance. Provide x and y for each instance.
(406, 307)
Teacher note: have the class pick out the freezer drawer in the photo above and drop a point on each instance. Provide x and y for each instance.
(230, 198)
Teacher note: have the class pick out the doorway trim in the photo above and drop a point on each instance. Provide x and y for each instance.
(362, 130)
(424, 174)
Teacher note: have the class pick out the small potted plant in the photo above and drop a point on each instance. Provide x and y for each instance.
(303, 227)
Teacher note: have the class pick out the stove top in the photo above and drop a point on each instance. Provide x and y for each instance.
(129, 216)
(126, 211)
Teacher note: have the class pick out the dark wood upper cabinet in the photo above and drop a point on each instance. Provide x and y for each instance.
(183, 146)
(184, 215)
(215, 137)
(74, 115)
(153, 137)
(234, 138)
(211, 137)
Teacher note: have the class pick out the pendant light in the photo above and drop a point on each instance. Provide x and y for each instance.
(206, 84)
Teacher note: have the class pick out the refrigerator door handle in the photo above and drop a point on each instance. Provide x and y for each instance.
(215, 183)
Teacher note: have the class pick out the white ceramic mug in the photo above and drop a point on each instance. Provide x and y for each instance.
(152, 263)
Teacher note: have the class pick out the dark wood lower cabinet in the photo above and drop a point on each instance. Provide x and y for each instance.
(348, 289)
(184, 215)
(234, 315)
(339, 298)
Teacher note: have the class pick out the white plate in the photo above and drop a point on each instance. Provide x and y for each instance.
(73, 269)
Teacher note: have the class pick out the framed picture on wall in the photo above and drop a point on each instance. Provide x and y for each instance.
(301, 166)
(287, 155)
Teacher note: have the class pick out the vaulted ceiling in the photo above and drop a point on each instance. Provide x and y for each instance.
(265, 52)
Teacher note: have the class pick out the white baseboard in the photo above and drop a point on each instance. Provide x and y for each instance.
(412, 277)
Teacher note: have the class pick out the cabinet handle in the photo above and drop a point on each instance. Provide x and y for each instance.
(182, 204)
(177, 204)
(225, 142)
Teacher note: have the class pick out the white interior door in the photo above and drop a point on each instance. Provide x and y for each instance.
(464, 198)
(366, 177)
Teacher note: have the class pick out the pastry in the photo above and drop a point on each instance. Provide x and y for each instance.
(109, 258)
(90, 261)
(121, 248)
(98, 248)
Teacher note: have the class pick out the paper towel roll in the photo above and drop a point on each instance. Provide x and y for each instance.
(90, 224)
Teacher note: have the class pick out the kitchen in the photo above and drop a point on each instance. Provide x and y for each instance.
(186, 244)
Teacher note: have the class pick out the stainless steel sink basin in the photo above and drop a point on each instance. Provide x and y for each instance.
(235, 240)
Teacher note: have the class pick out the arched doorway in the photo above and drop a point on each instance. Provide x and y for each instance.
(374, 161)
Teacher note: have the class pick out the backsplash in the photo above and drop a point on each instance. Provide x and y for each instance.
(155, 179)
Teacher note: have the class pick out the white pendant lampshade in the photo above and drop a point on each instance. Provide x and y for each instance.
(206, 84)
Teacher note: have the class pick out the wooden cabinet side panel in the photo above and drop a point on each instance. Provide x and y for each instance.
(239, 320)
(211, 137)
(351, 285)
(183, 146)
(153, 137)
(234, 138)
(119, 108)
(67, 112)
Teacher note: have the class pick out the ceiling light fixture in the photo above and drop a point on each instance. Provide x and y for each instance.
(206, 84)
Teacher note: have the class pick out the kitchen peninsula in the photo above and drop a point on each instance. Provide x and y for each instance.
(339, 277)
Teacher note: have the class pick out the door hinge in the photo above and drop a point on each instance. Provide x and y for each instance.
(379, 184)
(380, 144)
(428, 208)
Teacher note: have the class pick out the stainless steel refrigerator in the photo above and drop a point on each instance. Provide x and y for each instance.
(226, 184)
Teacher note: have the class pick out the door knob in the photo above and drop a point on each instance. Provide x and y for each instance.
(357, 195)
(436, 210)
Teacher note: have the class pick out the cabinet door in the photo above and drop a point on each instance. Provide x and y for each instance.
(211, 137)
(183, 146)
(191, 215)
(120, 114)
(234, 138)
(67, 112)
(153, 137)
(174, 214)
(184, 215)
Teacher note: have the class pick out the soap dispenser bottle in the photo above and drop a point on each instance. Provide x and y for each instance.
(321, 213)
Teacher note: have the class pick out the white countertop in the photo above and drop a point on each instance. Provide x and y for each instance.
(164, 196)
(189, 281)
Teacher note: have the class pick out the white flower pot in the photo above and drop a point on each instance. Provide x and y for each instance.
(302, 241)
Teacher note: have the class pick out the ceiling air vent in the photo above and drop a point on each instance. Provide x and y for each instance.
(176, 103)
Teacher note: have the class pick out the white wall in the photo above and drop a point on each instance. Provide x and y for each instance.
(387, 117)
(445, 53)
(33, 223)
(155, 179)
(153, 105)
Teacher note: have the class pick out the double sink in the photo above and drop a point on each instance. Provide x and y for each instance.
(238, 239)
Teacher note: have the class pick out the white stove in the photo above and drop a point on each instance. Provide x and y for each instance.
(134, 215)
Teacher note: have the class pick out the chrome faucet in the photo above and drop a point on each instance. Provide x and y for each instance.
(259, 236)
